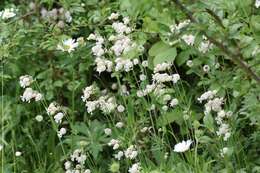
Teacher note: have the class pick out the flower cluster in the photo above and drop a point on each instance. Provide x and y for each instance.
(58, 16)
(76, 163)
(188, 39)
(55, 110)
(135, 168)
(105, 103)
(114, 143)
(177, 28)
(121, 43)
(29, 93)
(98, 49)
(214, 104)
(205, 45)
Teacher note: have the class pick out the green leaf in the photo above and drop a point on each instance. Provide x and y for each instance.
(255, 20)
(184, 56)
(169, 117)
(166, 56)
(157, 48)
(209, 122)
(150, 25)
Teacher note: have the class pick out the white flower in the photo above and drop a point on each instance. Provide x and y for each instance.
(162, 77)
(136, 61)
(177, 28)
(119, 124)
(18, 153)
(145, 63)
(126, 20)
(166, 98)
(165, 108)
(214, 105)
(189, 63)
(38, 97)
(207, 95)
(144, 129)
(205, 46)
(98, 50)
(142, 77)
(91, 106)
(78, 156)
(162, 67)
(68, 45)
(189, 39)
(175, 78)
(223, 151)
(39, 118)
(224, 130)
(206, 68)
(114, 86)
(115, 143)
(68, 17)
(25, 81)
(87, 171)
(58, 117)
(7, 13)
(120, 108)
(131, 152)
(107, 131)
(174, 102)
(92, 37)
(121, 28)
(1, 147)
(183, 146)
(28, 94)
(67, 165)
(257, 3)
(52, 109)
(121, 45)
(135, 168)
(87, 92)
(62, 132)
(113, 16)
(119, 155)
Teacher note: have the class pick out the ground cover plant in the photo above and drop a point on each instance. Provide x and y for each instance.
(130, 86)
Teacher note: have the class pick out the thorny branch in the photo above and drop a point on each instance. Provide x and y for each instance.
(236, 57)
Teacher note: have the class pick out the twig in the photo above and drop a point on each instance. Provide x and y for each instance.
(236, 57)
(215, 17)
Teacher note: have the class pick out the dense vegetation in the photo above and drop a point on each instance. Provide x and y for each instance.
(137, 86)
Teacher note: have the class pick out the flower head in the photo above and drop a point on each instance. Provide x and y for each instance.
(183, 146)
(68, 45)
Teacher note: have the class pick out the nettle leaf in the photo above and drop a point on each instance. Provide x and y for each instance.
(169, 117)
